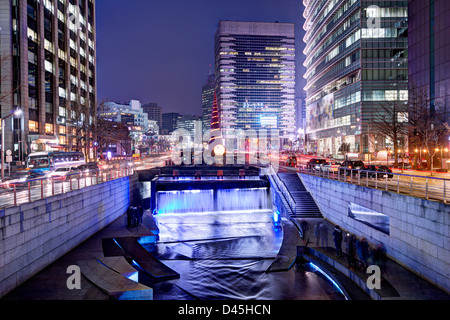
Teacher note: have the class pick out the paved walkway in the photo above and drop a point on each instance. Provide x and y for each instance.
(50, 284)
(399, 282)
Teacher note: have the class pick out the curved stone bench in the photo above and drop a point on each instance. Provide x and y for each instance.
(116, 285)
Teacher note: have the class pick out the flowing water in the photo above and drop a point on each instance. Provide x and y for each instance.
(223, 254)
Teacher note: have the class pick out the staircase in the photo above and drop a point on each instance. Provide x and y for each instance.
(301, 201)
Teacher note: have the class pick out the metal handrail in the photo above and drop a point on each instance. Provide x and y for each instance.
(433, 188)
(42, 188)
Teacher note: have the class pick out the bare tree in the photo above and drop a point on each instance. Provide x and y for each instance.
(6, 77)
(107, 131)
(79, 120)
(391, 121)
(428, 128)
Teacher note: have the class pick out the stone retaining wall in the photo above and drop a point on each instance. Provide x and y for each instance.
(419, 229)
(34, 235)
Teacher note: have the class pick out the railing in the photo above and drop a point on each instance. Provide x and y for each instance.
(283, 189)
(430, 188)
(17, 193)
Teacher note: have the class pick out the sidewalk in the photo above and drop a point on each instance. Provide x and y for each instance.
(397, 283)
(51, 283)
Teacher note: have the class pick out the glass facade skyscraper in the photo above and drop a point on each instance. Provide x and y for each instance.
(208, 91)
(49, 52)
(429, 51)
(356, 60)
(255, 73)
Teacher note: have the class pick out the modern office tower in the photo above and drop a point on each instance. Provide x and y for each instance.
(49, 72)
(300, 113)
(356, 60)
(132, 115)
(300, 121)
(169, 122)
(255, 73)
(208, 91)
(429, 51)
(154, 112)
(189, 123)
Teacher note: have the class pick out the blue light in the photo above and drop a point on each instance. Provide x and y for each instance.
(276, 218)
(329, 278)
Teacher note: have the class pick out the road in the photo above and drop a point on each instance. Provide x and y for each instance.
(420, 186)
(48, 187)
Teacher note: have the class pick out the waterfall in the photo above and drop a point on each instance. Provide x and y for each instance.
(243, 199)
(213, 200)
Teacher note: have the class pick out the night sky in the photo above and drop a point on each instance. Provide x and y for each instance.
(161, 50)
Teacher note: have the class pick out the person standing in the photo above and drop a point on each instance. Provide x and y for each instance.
(351, 251)
(363, 252)
(317, 233)
(337, 237)
(304, 227)
(324, 236)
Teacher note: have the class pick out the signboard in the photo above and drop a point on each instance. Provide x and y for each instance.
(320, 113)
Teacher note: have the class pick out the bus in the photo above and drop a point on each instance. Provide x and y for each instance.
(43, 162)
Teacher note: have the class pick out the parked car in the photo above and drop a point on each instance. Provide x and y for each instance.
(330, 166)
(291, 161)
(19, 179)
(349, 165)
(315, 163)
(63, 173)
(373, 171)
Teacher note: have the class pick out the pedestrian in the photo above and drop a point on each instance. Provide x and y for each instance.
(317, 233)
(324, 236)
(304, 227)
(337, 237)
(363, 252)
(379, 257)
(140, 214)
(351, 251)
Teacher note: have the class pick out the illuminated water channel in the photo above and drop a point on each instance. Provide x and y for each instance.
(223, 254)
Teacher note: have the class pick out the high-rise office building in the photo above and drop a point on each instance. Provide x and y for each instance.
(49, 72)
(255, 73)
(429, 51)
(356, 59)
(154, 112)
(189, 123)
(130, 114)
(169, 122)
(207, 101)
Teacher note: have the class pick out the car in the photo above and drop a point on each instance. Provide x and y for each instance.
(330, 166)
(349, 165)
(373, 171)
(291, 161)
(19, 179)
(315, 163)
(89, 169)
(63, 173)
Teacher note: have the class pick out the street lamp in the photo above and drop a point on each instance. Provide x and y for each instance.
(17, 113)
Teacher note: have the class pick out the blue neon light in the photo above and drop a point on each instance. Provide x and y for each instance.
(329, 278)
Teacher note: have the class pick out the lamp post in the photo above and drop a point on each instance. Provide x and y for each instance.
(17, 113)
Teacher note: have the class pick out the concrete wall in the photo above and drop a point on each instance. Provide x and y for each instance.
(419, 236)
(34, 235)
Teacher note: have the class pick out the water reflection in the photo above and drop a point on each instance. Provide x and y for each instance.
(224, 255)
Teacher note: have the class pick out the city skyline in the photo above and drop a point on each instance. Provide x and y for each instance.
(154, 58)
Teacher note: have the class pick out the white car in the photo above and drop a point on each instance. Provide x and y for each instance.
(62, 173)
(330, 166)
